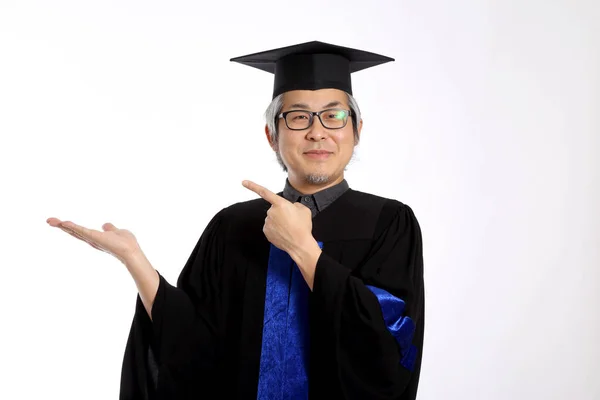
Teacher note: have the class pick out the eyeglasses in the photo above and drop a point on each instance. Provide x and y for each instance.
(332, 118)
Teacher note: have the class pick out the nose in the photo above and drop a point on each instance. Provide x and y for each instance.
(317, 131)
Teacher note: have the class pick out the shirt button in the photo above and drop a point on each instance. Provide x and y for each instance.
(306, 199)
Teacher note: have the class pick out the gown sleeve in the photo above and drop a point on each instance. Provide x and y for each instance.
(376, 312)
(174, 354)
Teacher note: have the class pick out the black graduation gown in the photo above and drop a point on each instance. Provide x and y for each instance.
(205, 336)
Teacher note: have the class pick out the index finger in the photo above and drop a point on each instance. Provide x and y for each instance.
(263, 192)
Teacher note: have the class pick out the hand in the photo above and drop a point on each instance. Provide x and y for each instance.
(119, 243)
(287, 225)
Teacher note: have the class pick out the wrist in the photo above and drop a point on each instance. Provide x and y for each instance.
(306, 254)
(136, 261)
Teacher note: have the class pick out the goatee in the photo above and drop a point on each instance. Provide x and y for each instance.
(316, 179)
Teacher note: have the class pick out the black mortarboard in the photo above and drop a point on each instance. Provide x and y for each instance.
(312, 65)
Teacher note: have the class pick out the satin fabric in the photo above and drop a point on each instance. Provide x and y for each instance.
(400, 326)
(285, 342)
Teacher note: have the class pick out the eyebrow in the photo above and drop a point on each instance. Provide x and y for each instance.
(306, 107)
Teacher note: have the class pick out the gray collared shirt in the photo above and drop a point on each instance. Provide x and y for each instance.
(315, 202)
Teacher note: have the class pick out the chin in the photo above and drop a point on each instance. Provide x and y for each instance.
(317, 178)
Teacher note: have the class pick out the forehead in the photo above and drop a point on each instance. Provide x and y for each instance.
(314, 98)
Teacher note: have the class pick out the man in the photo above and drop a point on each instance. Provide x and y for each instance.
(315, 292)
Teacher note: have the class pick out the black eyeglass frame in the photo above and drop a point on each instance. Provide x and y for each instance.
(312, 118)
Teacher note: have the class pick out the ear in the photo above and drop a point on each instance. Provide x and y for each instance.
(360, 125)
(271, 143)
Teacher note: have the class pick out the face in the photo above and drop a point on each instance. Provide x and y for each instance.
(316, 155)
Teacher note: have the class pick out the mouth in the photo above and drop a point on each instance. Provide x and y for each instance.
(318, 154)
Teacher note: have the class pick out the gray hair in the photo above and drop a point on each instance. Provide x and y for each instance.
(274, 109)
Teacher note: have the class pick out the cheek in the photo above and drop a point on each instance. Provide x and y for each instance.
(345, 140)
(287, 144)
(285, 148)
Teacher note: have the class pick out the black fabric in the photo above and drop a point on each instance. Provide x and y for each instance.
(312, 65)
(206, 333)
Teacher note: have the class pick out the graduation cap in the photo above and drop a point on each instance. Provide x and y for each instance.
(312, 65)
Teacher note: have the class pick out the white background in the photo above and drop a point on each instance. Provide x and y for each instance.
(487, 125)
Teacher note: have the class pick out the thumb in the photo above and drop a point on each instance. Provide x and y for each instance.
(109, 227)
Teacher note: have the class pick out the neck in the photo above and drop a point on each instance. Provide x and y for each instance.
(304, 187)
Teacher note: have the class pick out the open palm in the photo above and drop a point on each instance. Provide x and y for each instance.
(120, 243)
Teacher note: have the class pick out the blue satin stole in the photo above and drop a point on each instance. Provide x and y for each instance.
(285, 342)
(400, 326)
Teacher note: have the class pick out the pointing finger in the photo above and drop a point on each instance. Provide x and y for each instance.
(263, 192)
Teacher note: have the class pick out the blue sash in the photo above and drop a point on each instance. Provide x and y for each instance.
(285, 341)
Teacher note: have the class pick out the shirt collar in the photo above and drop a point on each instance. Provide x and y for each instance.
(321, 198)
